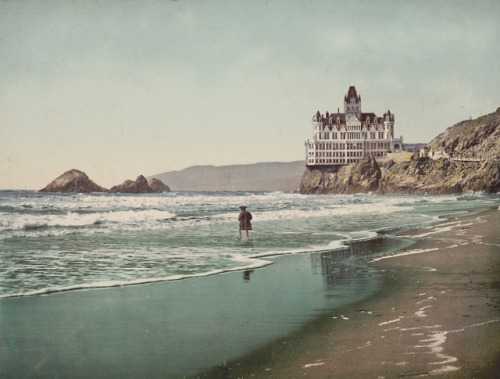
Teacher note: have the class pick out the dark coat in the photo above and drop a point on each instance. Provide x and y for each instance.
(244, 219)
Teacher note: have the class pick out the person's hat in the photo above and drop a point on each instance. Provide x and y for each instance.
(243, 207)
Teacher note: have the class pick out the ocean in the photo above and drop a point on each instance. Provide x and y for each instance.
(56, 248)
(60, 242)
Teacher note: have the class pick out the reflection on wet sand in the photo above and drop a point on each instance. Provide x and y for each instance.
(339, 266)
(246, 274)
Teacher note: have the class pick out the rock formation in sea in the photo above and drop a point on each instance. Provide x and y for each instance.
(140, 185)
(465, 158)
(158, 186)
(77, 181)
(73, 181)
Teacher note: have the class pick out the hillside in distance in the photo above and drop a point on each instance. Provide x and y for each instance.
(266, 176)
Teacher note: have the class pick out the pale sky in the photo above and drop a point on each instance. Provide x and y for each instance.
(122, 88)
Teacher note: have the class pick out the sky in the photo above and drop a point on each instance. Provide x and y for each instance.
(120, 88)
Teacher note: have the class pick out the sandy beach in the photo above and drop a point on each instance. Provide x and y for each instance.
(438, 313)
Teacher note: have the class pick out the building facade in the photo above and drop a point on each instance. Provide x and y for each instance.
(345, 138)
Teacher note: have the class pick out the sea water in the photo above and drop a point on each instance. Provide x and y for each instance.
(59, 242)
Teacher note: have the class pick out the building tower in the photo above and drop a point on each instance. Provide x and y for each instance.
(388, 125)
(352, 104)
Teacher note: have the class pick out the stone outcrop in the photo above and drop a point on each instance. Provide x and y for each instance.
(73, 181)
(362, 177)
(469, 162)
(441, 176)
(478, 138)
(78, 181)
(140, 185)
(158, 186)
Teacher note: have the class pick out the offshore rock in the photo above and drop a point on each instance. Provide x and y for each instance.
(363, 177)
(73, 181)
(158, 186)
(140, 185)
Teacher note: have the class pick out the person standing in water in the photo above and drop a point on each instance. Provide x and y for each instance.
(244, 219)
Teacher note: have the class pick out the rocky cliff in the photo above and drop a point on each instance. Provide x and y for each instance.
(360, 178)
(441, 176)
(465, 158)
(471, 139)
(73, 181)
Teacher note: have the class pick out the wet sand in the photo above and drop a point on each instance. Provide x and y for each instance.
(438, 313)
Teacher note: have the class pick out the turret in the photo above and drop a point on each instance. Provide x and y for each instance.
(317, 122)
(352, 103)
(388, 125)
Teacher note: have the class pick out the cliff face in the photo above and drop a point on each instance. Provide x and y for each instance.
(73, 181)
(469, 161)
(360, 178)
(441, 176)
(478, 138)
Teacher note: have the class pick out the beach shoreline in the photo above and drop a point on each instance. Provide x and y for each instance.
(278, 320)
(437, 313)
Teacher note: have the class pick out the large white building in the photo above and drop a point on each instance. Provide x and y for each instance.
(345, 138)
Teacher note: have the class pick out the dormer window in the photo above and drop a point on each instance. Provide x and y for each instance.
(338, 120)
(367, 118)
